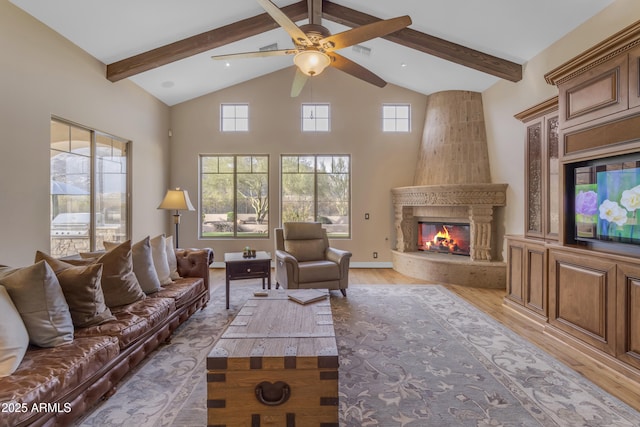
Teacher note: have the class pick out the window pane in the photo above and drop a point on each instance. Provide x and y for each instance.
(320, 193)
(235, 204)
(396, 118)
(217, 205)
(242, 125)
(110, 191)
(87, 209)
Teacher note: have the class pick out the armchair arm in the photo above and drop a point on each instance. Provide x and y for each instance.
(287, 272)
(195, 263)
(341, 258)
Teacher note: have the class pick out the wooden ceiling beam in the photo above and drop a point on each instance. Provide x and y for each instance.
(428, 44)
(201, 43)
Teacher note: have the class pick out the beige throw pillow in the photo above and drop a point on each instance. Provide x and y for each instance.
(143, 266)
(37, 295)
(119, 283)
(14, 338)
(171, 259)
(159, 252)
(82, 288)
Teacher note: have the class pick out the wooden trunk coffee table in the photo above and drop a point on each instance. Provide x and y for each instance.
(239, 267)
(275, 365)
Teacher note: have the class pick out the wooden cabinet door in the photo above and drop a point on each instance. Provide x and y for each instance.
(598, 92)
(534, 180)
(628, 325)
(582, 297)
(515, 271)
(535, 280)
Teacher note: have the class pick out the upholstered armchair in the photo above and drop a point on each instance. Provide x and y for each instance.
(304, 258)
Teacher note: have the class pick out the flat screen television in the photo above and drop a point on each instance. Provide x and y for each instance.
(606, 205)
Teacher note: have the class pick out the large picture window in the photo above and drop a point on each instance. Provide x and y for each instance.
(89, 189)
(317, 188)
(234, 195)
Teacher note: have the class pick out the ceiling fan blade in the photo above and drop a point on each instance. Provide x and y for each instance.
(356, 70)
(364, 33)
(283, 20)
(258, 54)
(298, 82)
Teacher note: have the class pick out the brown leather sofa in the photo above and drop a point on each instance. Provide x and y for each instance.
(305, 260)
(54, 386)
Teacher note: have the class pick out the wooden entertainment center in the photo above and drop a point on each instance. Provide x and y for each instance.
(583, 291)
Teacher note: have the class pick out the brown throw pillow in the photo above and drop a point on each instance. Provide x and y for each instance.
(143, 266)
(37, 295)
(119, 283)
(82, 288)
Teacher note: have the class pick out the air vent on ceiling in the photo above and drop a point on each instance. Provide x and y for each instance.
(362, 50)
(273, 46)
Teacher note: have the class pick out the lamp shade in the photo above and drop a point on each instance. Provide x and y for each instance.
(311, 62)
(177, 200)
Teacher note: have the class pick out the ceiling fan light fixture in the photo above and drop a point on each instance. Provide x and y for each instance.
(311, 62)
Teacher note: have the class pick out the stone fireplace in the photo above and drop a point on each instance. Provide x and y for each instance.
(452, 185)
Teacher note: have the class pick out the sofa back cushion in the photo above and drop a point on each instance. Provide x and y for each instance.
(37, 295)
(306, 241)
(14, 338)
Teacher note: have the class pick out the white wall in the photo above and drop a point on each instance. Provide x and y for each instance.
(42, 74)
(503, 100)
(380, 161)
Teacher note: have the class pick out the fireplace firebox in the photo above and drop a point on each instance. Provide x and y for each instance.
(443, 237)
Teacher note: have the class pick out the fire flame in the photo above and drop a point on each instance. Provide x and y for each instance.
(442, 239)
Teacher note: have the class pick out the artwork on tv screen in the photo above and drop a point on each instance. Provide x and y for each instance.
(607, 202)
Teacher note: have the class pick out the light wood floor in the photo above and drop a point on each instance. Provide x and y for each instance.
(490, 302)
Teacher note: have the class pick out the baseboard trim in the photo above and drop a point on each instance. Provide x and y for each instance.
(220, 264)
(371, 265)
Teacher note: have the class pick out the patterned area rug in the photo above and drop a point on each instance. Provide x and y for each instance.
(410, 355)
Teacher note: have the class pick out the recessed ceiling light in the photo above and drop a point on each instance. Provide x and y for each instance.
(227, 64)
(403, 65)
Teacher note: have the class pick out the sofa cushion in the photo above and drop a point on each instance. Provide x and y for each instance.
(37, 295)
(182, 291)
(159, 252)
(82, 288)
(143, 266)
(14, 338)
(46, 374)
(119, 283)
(318, 271)
(132, 321)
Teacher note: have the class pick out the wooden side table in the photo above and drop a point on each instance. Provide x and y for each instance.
(238, 267)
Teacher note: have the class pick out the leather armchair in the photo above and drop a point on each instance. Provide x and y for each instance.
(305, 260)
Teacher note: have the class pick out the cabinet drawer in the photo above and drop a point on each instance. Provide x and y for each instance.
(248, 269)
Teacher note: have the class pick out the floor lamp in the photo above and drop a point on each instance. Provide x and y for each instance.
(176, 200)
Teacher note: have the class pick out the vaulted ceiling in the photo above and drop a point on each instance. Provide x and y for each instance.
(165, 46)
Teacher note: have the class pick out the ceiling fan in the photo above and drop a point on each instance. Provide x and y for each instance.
(315, 46)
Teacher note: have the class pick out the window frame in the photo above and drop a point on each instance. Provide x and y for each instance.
(395, 119)
(315, 201)
(235, 232)
(235, 117)
(96, 138)
(315, 120)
